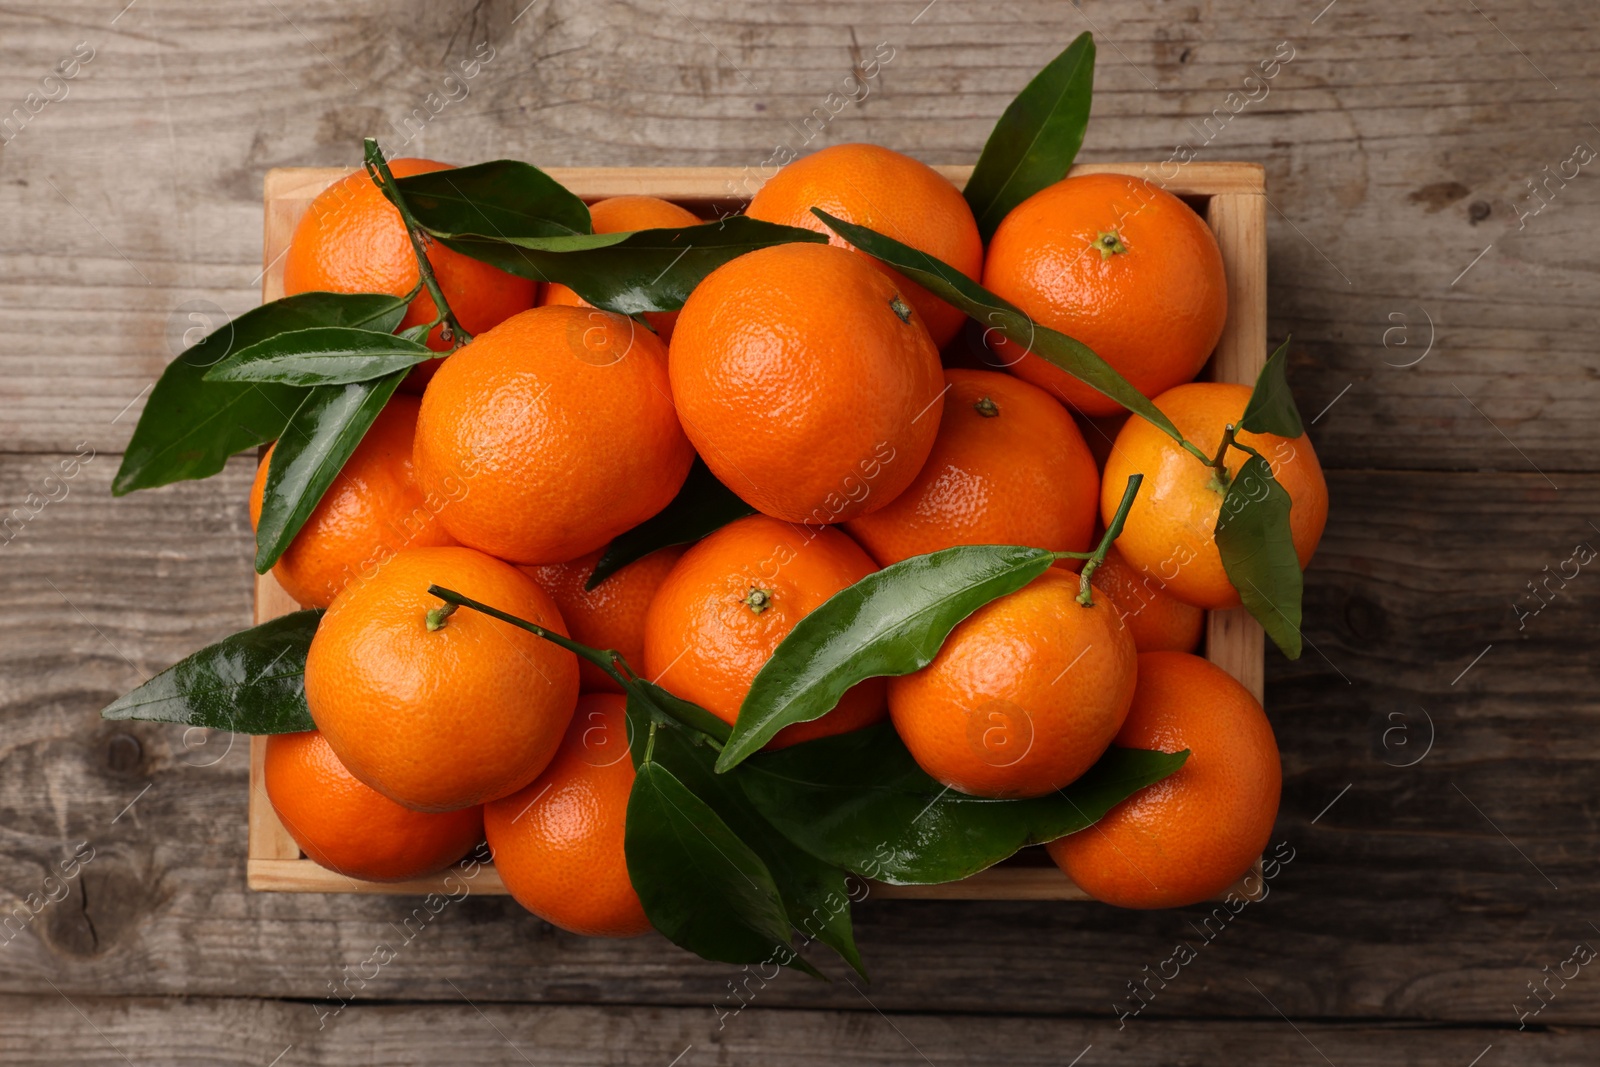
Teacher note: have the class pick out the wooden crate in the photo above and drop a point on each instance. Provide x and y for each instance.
(1229, 196)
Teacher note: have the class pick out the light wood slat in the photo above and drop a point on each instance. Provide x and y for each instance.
(713, 183)
(289, 874)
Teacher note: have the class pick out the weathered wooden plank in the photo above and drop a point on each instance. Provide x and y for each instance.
(1352, 926)
(1398, 144)
(230, 1033)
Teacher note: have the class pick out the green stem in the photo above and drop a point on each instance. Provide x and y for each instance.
(649, 743)
(378, 169)
(1219, 462)
(1113, 531)
(606, 661)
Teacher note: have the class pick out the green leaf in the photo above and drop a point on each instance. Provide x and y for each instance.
(630, 273)
(953, 287)
(191, 426)
(504, 199)
(1271, 408)
(676, 709)
(700, 885)
(816, 895)
(891, 622)
(251, 683)
(1036, 139)
(859, 801)
(701, 506)
(321, 355)
(313, 448)
(1257, 548)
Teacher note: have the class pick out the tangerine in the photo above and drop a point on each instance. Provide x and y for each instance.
(623, 214)
(1025, 694)
(352, 240)
(371, 511)
(1009, 467)
(1159, 621)
(346, 826)
(1189, 836)
(611, 615)
(433, 709)
(1119, 264)
(903, 198)
(806, 382)
(562, 420)
(1170, 530)
(558, 842)
(733, 598)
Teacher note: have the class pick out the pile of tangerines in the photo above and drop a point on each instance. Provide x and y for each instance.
(860, 422)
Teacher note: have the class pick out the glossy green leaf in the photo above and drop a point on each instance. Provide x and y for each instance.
(324, 430)
(1258, 553)
(859, 801)
(1271, 408)
(701, 506)
(891, 622)
(190, 426)
(321, 355)
(816, 895)
(679, 710)
(1037, 137)
(950, 285)
(251, 683)
(504, 199)
(631, 273)
(701, 886)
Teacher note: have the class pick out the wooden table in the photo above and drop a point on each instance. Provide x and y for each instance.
(1439, 739)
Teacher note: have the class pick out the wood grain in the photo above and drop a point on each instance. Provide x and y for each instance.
(1385, 140)
(234, 1033)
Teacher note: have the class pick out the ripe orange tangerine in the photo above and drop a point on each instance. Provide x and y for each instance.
(346, 826)
(1159, 621)
(560, 422)
(352, 240)
(1171, 529)
(729, 602)
(884, 190)
(1009, 467)
(373, 510)
(1024, 695)
(1121, 265)
(806, 382)
(558, 843)
(1192, 835)
(441, 711)
(611, 615)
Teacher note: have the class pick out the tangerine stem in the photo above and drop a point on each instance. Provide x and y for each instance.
(649, 743)
(608, 660)
(1113, 531)
(378, 169)
(1219, 462)
(603, 660)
